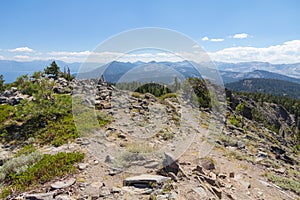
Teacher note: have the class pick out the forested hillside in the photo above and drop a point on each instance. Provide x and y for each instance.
(267, 86)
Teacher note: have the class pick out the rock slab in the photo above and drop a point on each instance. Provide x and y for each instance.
(63, 184)
(145, 180)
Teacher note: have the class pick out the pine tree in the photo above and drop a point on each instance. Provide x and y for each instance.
(69, 75)
(1, 84)
(53, 70)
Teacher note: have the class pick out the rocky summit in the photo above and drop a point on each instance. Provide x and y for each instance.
(142, 146)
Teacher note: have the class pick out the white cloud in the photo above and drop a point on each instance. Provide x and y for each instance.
(1, 57)
(240, 36)
(205, 38)
(101, 57)
(213, 39)
(288, 52)
(67, 53)
(217, 40)
(22, 49)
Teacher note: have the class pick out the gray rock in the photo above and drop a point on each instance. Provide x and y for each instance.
(63, 197)
(170, 163)
(173, 176)
(162, 197)
(201, 193)
(114, 190)
(122, 136)
(277, 150)
(172, 196)
(82, 166)
(82, 141)
(209, 180)
(145, 180)
(152, 165)
(104, 192)
(109, 159)
(92, 192)
(3, 100)
(207, 164)
(217, 191)
(199, 169)
(245, 184)
(14, 100)
(13, 89)
(63, 184)
(261, 154)
(114, 171)
(137, 191)
(240, 145)
(4, 156)
(222, 176)
(7, 93)
(280, 170)
(40, 196)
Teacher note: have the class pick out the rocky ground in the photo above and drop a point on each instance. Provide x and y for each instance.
(164, 149)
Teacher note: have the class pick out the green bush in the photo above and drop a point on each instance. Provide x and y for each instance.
(88, 119)
(27, 149)
(104, 119)
(240, 108)
(169, 95)
(284, 182)
(1, 83)
(165, 134)
(235, 120)
(5, 112)
(47, 168)
(154, 88)
(49, 120)
(137, 95)
(18, 164)
(58, 132)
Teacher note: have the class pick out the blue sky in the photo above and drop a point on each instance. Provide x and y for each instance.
(35, 27)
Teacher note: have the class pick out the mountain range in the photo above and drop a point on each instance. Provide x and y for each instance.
(230, 72)
(229, 76)
(292, 70)
(267, 86)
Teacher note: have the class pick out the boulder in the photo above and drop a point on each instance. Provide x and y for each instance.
(207, 164)
(240, 144)
(63, 184)
(145, 180)
(3, 100)
(277, 150)
(82, 166)
(104, 192)
(170, 163)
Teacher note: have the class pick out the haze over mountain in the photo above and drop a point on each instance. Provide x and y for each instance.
(13, 69)
(230, 72)
(229, 76)
(292, 70)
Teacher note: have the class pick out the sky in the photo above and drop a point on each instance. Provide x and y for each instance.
(229, 31)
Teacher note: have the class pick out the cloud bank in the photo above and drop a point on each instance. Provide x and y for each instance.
(288, 52)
